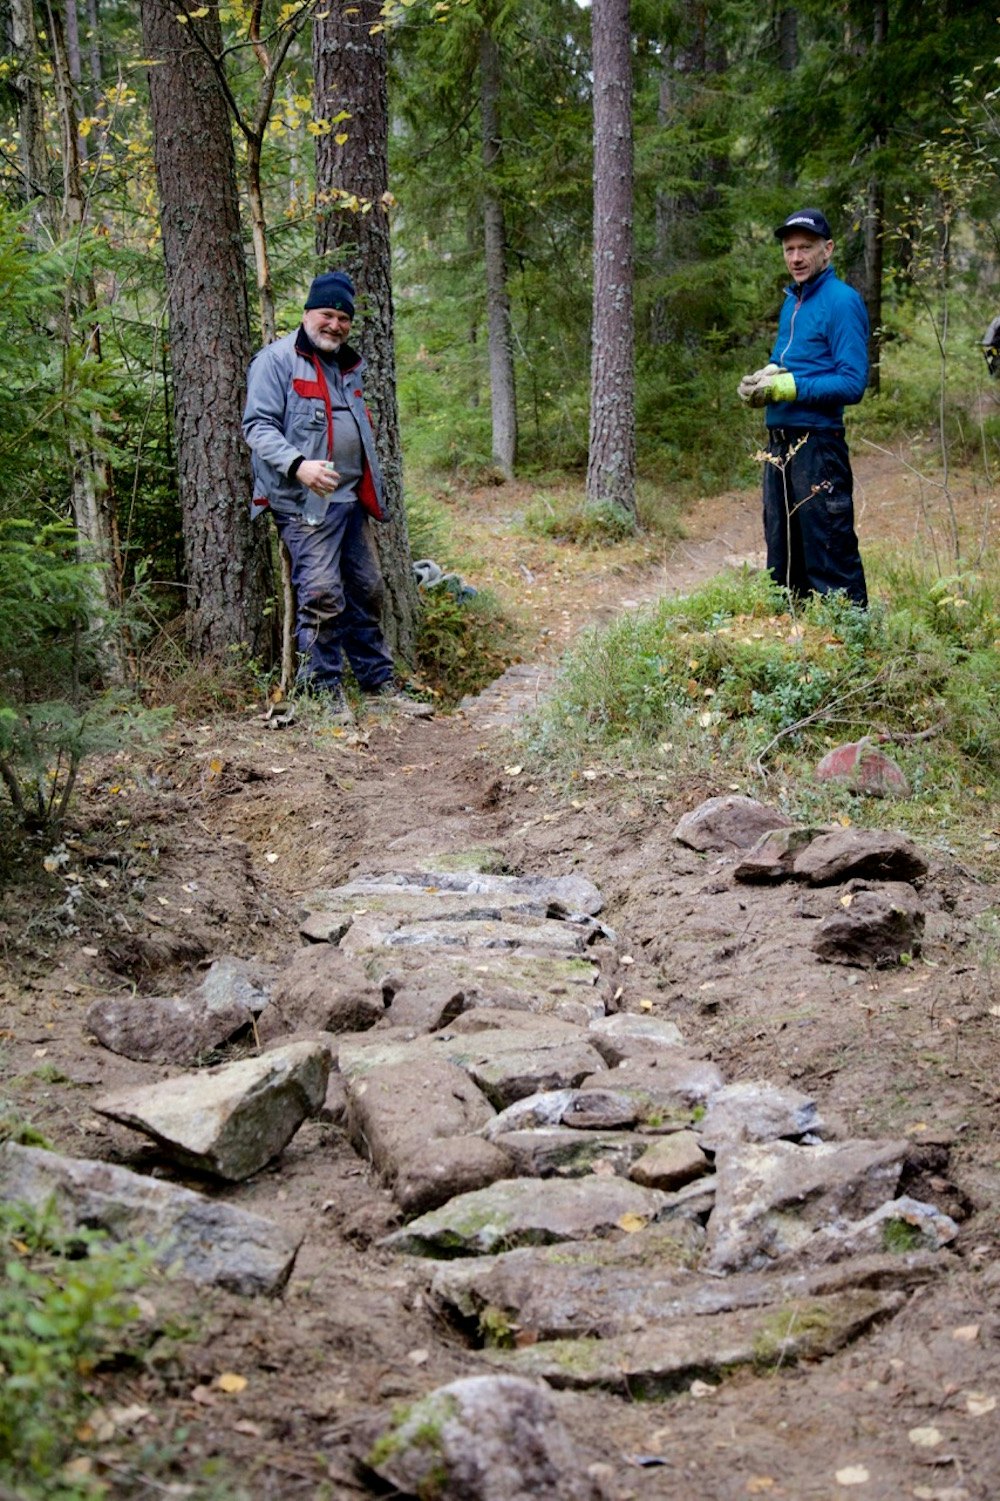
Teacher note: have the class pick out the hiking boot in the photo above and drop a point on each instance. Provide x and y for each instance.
(336, 709)
(392, 697)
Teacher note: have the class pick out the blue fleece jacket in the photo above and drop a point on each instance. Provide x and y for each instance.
(823, 340)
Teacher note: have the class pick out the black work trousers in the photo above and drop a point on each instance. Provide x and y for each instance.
(809, 513)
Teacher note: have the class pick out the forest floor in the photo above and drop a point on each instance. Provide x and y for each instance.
(205, 848)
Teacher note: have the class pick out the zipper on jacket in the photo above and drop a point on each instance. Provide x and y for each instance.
(791, 327)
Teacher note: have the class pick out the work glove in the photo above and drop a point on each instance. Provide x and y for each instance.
(770, 384)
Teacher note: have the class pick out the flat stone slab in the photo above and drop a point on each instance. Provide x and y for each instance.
(537, 982)
(507, 1063)
(205, 1240)
(772, 1197)
(529, 1211)
(559, 1151)
(563, 894)
(604, 1288)
(879, 854)
(661, 1360)
(583, 1109)
(231, 1120)
(560, 939)
(628, 1033)
(757, 1111)
(665, 1081)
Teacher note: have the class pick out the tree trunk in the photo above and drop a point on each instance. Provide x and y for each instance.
(611, 463)
(25, 84)
(349, 65)
(874, 229)
(503, 395)
(227, 560)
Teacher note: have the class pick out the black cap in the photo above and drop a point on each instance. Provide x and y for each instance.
(810, 220)
(333, 289)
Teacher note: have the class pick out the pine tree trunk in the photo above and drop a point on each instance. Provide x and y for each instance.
(611, 463)
(349, 66)
(25, 84)
(503, 395)
(874, 230)
(227, 560)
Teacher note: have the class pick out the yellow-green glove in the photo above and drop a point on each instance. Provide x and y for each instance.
(770, 384)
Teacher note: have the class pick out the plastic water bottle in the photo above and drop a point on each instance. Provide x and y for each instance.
(315, 508)
(316, 505)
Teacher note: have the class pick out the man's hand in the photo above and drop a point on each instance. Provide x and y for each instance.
(770, 384)
(318, 475)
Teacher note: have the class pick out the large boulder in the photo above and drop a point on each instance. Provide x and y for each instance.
(875, 854)
(482, 1438)
(872, 927)
(728, 823)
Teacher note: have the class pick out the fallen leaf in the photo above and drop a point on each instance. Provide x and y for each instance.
(701, 1389)
(270, 857)
(846, 899)
(418, 1357)
(626, 959)
(852, 1475)
(513, 771)
(758, 1484)
(925, 1438)
(252, 1430)
(979, 1404)
(967, 1333)
(632, 1222)
(229, 1381)
(645, 1005)
(204, 1396)
(91, 953)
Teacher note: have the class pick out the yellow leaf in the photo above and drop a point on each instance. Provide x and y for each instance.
(632, 1223)
(197, 14)
(645, 1005)
(341, 137)
(230, 1382)
(181, 20)
(215, 765)
(758, 1484)
(846, 899)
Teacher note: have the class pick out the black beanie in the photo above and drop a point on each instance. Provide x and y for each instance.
(332, 289)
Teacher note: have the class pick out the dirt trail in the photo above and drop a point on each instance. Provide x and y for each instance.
(209, 852)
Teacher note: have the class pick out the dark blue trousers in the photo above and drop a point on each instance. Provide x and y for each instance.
(339, 592)
(809, 513)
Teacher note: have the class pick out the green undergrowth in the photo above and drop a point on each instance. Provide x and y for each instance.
(734, 682)
(65, 1310)
(463, 643)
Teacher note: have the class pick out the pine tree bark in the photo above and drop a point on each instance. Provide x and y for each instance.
(26, 86)
(350, 72)
(227, 560)
(874, 228)
(611, 462)
(503, 393)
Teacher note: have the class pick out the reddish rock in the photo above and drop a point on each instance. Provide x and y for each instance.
(864, 768)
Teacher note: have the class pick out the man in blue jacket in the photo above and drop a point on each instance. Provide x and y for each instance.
(818, 366)
(315, 468)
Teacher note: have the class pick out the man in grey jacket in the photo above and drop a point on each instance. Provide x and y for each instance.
(315, 468)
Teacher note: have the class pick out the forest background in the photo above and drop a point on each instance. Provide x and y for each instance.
(172, 176)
